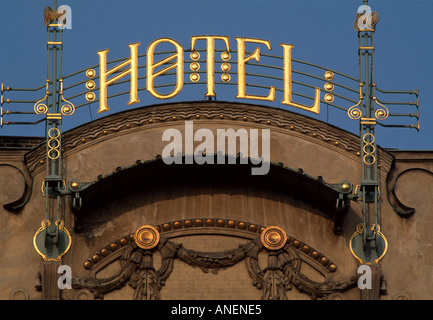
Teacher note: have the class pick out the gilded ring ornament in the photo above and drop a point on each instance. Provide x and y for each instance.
(371, 161)
(146, 237)
(368, 145)
(273, 238)
(54, 135)
(372, 138)
(53, 144)
(369, 153)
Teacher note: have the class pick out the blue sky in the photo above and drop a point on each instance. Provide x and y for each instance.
(320, 30)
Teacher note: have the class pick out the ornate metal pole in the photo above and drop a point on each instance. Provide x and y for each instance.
(368, 244)
(53, 240)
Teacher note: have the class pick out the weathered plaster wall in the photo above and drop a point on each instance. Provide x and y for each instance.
(98, 148)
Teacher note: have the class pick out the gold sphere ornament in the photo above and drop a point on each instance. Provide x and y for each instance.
(90, 73)
(329, 97)
(194, 77)
(345, 186)
(90, 96)
(329, 75)
(90, 84)
(226, 56)
(195, 66)
(328, 86)
(226, 66)
(225, 77)
(195, 55)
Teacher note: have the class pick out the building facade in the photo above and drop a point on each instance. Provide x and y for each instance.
(134, 227)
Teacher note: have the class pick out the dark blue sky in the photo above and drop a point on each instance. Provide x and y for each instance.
(320, 30)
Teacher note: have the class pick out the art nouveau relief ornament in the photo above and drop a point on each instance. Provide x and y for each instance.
(285, 256)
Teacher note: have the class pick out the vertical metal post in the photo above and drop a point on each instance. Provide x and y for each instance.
(53, 180)
(368, 243)
(56, 239)
(53, 240)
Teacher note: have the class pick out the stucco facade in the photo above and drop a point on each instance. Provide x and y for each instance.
(210, 218)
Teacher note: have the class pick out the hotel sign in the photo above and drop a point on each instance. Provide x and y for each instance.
(176, 61)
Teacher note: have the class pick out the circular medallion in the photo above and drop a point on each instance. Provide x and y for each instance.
(146, 237)
(273, 238)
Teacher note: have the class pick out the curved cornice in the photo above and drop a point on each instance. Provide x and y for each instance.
(162, 114)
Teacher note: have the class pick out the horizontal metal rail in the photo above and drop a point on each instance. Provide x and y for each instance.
(70, 88)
